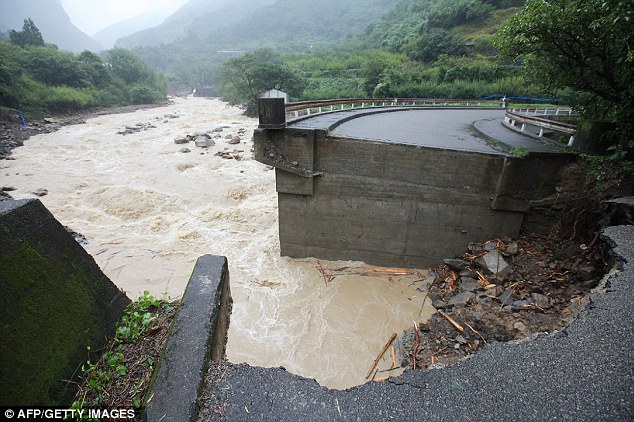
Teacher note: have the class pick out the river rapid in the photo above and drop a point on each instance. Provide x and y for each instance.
(149, 210)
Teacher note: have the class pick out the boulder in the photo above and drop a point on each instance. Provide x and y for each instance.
(461, 299)
(456, 264)
(181, 140)
(204, 142)
(494, 263)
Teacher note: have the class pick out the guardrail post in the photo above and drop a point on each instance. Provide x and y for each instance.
(541, 132)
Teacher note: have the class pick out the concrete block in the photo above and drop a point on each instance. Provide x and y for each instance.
(197, 335)
(291, 150)
(287, 182)
(54, 303)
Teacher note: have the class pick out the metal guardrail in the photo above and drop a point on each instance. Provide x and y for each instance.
(544, 111)
(306, 108)
(527, 118)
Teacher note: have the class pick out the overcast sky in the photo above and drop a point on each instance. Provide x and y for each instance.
(91, 16)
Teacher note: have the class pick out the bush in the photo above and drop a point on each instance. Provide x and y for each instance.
(142, 94)
(111, 97)
(483, 44)
(62, 98)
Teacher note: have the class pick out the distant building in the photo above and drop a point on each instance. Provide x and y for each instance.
(275, 93)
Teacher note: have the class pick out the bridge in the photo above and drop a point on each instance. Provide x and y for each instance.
(405, 181)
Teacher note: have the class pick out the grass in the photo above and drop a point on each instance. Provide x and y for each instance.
(120, 378)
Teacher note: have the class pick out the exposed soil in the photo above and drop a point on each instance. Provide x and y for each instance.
(543, 288)
(548, 279)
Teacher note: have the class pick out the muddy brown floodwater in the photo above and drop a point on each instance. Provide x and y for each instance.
(149, 209)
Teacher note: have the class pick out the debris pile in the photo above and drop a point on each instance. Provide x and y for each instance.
(503, 290)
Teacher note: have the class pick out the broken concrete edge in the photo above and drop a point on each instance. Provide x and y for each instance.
(541, 378)
(197, 336)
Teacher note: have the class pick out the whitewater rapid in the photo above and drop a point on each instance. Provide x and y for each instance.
(149, 210)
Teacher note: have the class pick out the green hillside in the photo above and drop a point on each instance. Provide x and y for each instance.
(288, 25)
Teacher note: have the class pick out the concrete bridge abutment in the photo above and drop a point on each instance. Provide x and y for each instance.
(395, 204)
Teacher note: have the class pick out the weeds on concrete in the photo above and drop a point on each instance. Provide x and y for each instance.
(122, 375)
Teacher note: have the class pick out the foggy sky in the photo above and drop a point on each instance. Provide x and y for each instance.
(91, 16)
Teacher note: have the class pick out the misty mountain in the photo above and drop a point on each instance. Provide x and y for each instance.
(194, 19)
(298, 24)
(247, 24)
(194, 40)
(52, 21)
(109, 35)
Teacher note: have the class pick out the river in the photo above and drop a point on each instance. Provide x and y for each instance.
(149, 210)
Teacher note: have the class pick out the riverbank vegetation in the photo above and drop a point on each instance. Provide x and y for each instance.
(36, 76)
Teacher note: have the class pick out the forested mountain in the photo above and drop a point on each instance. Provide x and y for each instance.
(200, 42)
(195, 22)
(51, 19)
(405, 48)
(109, 35)
(411, 18)
(247, 24)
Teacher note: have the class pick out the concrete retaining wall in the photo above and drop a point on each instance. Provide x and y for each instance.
(198, 335)
(394, 204)
(54, 302)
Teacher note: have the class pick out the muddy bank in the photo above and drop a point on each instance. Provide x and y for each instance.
(14, 133)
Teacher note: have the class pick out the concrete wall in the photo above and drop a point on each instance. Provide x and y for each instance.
(392, 204)
(198, 335)
(54, 302)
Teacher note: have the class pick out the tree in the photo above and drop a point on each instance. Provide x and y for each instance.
(30, 35)
(129, 66)
(54, 67)
(583, 45)
(243, 79)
